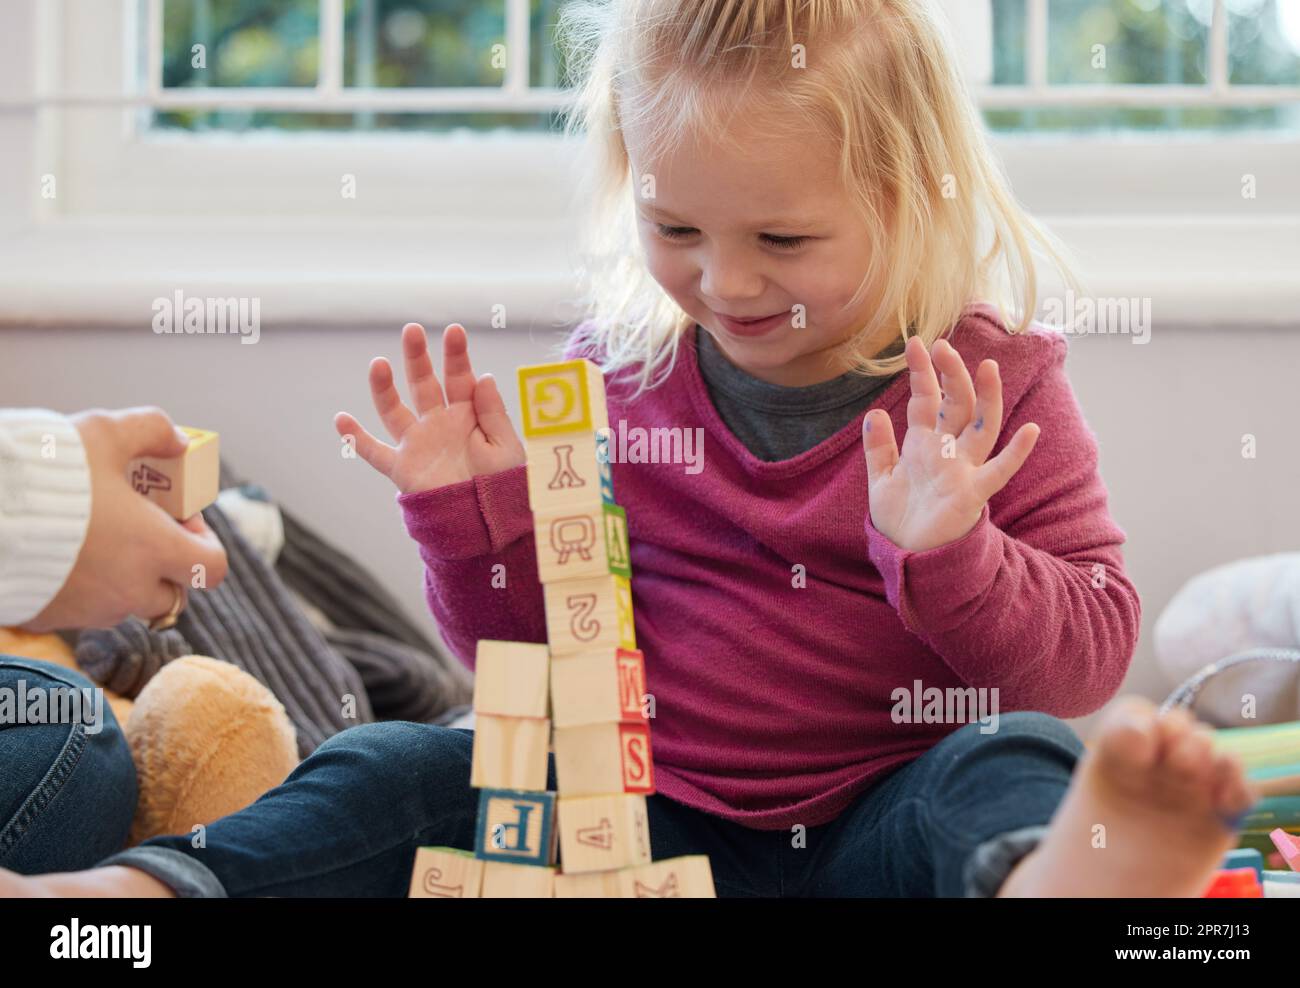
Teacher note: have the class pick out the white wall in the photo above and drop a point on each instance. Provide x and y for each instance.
(273, 403)
(1169, 417)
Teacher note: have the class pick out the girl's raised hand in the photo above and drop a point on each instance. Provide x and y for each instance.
(448, 435)
(935, 492)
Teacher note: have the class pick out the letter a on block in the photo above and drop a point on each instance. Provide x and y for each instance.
(602, 833)
(562, 398)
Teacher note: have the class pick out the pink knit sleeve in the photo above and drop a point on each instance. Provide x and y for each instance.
(1034, 599)
(480, 561)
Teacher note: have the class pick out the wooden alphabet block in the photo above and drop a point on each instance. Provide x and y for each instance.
(687, 877)
(589, 615)
(602, 759)
(183, 485)
(589, 885)
(562, 398)
(515, 826)
(603, 833)
(604, 467)
(510, 679)
(504, 880)
(581, 542)
(509, 752)
(597, 687)
(564, 473)
(445, 873)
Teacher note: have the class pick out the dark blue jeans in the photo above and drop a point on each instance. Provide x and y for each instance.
(349, 818)
(67, 790)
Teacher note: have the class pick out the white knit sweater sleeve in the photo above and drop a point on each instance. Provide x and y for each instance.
(44, 508)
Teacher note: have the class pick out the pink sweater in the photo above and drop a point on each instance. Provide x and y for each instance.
(773, 701)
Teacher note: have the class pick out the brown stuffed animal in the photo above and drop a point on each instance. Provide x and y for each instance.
(207, 738)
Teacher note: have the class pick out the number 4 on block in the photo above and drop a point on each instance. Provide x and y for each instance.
(183, 485)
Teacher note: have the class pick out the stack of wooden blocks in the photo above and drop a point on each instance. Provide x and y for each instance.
(582, 697)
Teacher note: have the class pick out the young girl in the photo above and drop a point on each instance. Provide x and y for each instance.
(817, 210)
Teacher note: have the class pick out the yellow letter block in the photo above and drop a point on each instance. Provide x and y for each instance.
(562, 398)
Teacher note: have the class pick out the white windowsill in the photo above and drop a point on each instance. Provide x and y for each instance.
(104, 274)
(1197, 270)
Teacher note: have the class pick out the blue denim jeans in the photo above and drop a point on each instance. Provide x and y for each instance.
(348, 819)
(67, 790)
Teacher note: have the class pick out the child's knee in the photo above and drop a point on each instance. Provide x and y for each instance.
(1021, 733)
(408, 749)
(1032, 724)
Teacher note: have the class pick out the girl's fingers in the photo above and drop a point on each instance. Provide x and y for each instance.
(923, 406)
(981, 433)
(491, 412)
(456, 370)
(958, 390)
(426, 392)
(879, 445)
(379, 455)
(993, 475)
(397, 418)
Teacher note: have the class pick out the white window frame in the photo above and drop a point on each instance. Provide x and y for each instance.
(1149, 216)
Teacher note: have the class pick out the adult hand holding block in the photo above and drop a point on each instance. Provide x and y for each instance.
(135, 560)
(449, 434)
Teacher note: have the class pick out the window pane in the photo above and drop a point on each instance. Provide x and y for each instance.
(240, 42)
(237, 121)
(424, 43)
(546, 66)
(1128, 41)
(1264, 42)
(1009, 42)
(1080, 119)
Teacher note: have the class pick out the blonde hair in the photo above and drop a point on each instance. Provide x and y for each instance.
(881, 80)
